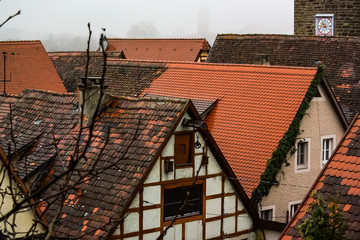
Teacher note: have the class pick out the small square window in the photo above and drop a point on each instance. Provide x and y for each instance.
(293, 209)
(267, 214)
(302, 154)
(327, 147)
(174, 198)
(184, 148)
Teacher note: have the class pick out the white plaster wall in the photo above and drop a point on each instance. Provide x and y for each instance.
(213, 186)
(152, 195)
(213, 208)
(151, 218)
(198, 160)
(135, 202)
(193, 230)
(174, 233)
(228, 188)
(213, 229)
(151, 236)
(319, 120)
(154, 175)
(213, 166)
(244, 222)
(229, 204)
(131, 223)
(182, 173)
(240, 205)
(229, 225)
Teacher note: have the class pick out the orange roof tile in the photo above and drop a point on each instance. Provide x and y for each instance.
(159, 49)
(256, 105)
(28, 66)
(345, 183)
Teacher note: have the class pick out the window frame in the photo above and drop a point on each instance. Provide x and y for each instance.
(191, 149)
(306, 166)
(188, 216)
(331, 137)
(292, 203)
(268, 208)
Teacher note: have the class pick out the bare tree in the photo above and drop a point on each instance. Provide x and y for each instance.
(16, 198)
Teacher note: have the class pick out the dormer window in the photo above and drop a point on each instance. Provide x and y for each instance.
(184, 148)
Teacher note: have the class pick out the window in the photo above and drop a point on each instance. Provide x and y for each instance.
(293, 209)
(267, 214)
(326, 148)
(174, 198)
(184, 149)
(302, 154)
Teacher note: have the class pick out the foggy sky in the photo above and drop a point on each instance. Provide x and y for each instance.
(62, 25)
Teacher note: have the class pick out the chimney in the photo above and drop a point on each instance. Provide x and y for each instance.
(261, 59)
(89, 90)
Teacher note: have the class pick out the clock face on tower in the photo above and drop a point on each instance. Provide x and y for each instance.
(324, 24)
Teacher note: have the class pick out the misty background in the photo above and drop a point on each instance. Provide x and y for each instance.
(62, 25)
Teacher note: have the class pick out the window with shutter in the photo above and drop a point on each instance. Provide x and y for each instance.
(184, 149)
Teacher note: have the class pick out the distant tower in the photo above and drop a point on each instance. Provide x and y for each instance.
(203, 21)
(327, 17)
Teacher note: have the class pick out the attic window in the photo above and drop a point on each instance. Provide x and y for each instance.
(37, 122)
(174, 199)
(184, 148)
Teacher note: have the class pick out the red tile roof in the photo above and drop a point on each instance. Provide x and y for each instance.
(159, 49)
(255, 106)
(28, 66)
(340, 176)
(138, 129)
(339, 55)
(41, 118)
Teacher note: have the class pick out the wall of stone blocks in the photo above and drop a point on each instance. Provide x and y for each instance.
(347, 16)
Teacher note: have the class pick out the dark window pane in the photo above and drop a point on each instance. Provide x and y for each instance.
(174, 198)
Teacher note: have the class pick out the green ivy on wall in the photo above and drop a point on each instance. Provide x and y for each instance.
(286, 144)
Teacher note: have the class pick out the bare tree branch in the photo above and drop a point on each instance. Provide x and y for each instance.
(18, 13)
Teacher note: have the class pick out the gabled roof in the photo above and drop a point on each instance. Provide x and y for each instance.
(255, 107)
(27, 66)
(160, 49)
(135, 129)
(36, 116)
(341, 56)
(340, 176)
(71, 66)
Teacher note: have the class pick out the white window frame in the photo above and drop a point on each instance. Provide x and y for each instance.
(291, 204)
(271, 207)
(332, 147)
(306, 167)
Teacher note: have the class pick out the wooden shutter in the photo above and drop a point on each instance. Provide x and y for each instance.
(183, 151)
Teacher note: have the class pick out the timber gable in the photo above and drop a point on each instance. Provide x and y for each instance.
(222, 212)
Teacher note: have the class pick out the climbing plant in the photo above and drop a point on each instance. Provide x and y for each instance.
(286, 144)
(325, 220)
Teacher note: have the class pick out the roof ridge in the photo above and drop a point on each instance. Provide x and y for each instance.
(149, 99)
(21, 41)
(25, 91)
(290, 36)
(209, 64)
(157, 39)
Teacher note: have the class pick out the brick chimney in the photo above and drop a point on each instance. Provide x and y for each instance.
(90, 88)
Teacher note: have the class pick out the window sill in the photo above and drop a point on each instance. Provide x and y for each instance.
(183, 219)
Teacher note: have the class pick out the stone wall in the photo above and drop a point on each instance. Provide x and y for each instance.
(347, 16)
